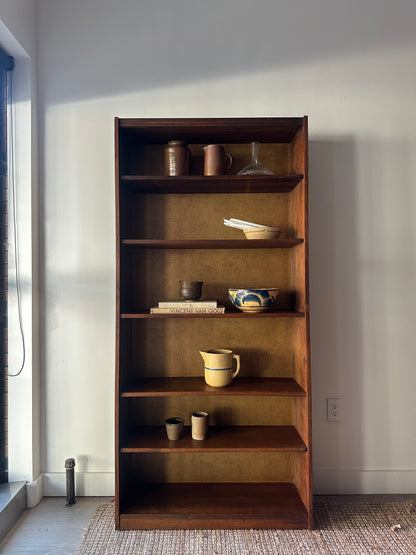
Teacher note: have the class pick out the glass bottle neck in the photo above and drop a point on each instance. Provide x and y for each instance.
(255, 147)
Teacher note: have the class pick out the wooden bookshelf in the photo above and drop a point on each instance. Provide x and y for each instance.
(255, 468)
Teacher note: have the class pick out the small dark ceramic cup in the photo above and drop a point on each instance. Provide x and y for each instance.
(190, 290)
(174, 427)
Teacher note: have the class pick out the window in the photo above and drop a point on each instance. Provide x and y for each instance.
(6, 65)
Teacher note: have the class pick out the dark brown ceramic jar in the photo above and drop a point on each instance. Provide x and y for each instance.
(177, 158)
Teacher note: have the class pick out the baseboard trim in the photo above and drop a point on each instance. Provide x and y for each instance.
(89, 484)
(34, 491)
(326, 482)
(331, 482)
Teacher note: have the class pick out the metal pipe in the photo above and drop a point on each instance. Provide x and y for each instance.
(70, 481)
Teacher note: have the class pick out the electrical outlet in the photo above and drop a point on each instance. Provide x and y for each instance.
(335, 412)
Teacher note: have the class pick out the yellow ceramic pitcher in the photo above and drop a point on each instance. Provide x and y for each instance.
(218, 364)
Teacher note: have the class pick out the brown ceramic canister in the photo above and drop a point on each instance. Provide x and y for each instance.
(177, 158)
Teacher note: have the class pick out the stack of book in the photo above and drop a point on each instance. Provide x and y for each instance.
(187, 307)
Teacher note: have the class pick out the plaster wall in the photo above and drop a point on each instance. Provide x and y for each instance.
(348, 66)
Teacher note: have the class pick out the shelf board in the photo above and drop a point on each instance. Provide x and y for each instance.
(212, 243)
(227, 314)
(195, 184)
(214, 506)
(193, 386)
(212, 130)
(153, 439)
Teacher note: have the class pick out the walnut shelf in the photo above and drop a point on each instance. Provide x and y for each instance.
(214, 505)
(210, 130)
(212, 243)
(227, 314)
(254, 470)
(220, 439)
(165, 387)
(197, 184)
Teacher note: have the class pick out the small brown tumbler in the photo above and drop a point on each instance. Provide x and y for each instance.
(217, 161)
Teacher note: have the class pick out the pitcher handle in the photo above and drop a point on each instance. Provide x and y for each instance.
(230, 160)
(237, 358)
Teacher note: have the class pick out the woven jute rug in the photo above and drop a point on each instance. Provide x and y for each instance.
(354, 528)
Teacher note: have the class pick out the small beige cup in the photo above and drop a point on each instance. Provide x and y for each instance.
(174, 427)
(199, 421)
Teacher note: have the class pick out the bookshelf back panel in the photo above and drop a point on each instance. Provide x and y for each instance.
(223, 411)
(155, 274)
(148, 159)
(213, 467)
(201, 216)
(170, 347)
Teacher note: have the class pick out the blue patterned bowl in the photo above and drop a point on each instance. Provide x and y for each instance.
(253, 300)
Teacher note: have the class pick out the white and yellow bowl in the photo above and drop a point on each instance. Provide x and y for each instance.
(253, 300)
(262, 232)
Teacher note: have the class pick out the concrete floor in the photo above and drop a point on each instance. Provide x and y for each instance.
(51, 527)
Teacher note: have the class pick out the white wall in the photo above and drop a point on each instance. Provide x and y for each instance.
(349, 66)
(18, 35)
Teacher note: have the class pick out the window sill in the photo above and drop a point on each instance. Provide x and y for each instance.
(12, 505)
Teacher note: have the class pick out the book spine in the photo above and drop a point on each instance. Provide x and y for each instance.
(190, 310)
(187, 304)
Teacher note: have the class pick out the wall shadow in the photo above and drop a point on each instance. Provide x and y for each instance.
(336, 321)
